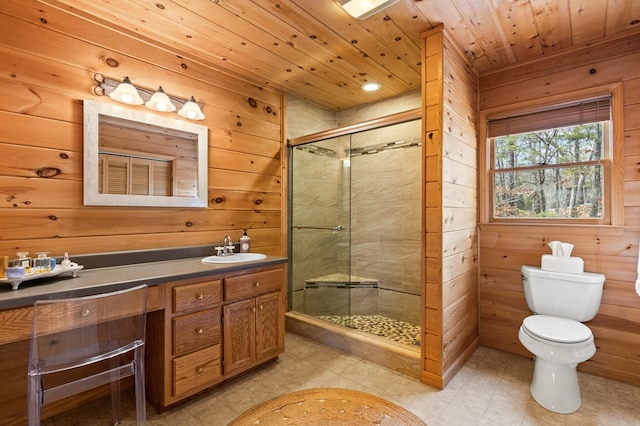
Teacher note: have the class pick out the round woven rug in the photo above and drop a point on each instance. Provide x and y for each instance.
(327, 406)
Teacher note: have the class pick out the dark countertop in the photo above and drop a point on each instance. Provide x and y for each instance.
(113, 278)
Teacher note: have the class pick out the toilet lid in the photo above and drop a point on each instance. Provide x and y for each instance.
(557, 329)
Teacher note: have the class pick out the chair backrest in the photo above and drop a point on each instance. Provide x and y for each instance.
(71, 333)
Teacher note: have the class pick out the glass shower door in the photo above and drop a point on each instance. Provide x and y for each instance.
(320, 228)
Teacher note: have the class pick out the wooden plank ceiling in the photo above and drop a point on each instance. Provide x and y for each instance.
(316, 51)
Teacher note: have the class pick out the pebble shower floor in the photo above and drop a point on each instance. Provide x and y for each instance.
(378, 325)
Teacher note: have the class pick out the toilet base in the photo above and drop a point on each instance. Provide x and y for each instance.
(555, 386)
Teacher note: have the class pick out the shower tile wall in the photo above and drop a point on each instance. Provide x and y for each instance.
(304, 118)
(379, 109)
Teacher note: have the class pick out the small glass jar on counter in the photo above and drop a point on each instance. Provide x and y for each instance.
(23, 260)
(42, 263)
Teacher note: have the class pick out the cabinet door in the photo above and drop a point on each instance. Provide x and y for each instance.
(239, 335)
(269, 326)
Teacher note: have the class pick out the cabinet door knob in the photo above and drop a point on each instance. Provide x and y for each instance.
(199, 330)
(199, 370)
(200, 296)
(253, 309)
(257, 283)
(261, 307)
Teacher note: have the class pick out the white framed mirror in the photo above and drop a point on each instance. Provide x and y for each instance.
(137, 158)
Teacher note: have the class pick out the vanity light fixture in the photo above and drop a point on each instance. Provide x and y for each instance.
(362, 9)
(191, 110)
(160, 102)
(370, 87)
(127, 93)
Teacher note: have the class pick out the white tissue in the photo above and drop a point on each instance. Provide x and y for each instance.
(558, 248)
(560, 259)
(566, 249)
(555, 246)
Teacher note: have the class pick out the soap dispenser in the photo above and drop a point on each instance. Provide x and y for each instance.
(66, 263)
(245, 243)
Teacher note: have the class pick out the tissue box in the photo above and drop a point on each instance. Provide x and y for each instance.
(573, 265)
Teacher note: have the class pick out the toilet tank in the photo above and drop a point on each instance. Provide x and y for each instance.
(575, 296)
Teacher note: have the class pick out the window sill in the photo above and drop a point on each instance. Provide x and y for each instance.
(609, 230)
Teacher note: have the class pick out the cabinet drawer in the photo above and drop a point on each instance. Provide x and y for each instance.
(196, 331)
(197, 371)
(251, 285)
(203, 295)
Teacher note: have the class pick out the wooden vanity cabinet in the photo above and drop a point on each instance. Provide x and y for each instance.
(184, 342)
(253, 319)
(211, 330)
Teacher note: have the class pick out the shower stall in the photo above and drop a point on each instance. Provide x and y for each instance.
(355, 237)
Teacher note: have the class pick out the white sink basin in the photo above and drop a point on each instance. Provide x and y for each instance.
(234, 258)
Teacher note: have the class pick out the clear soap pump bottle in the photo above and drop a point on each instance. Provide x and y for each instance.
(245, 243)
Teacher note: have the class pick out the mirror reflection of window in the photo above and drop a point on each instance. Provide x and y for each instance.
(134, 161)
(130, 175)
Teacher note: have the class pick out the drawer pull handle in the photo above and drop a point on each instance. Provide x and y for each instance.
(85, 312)
(200, 296)
(199, 370)
(199, 330)
(261, 307)
(257, 284)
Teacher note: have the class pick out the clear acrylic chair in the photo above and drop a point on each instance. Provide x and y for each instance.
(81, 343)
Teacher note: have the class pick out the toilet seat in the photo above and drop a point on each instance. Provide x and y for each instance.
(556, 329)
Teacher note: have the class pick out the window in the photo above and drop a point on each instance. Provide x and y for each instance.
(552, 164)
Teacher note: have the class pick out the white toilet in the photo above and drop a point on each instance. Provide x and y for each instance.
(555, 334)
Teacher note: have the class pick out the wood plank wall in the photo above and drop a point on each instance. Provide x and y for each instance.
(610, 250)
(450, 297)
(49, 57)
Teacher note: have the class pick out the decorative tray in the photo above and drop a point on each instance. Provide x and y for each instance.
(15, 282)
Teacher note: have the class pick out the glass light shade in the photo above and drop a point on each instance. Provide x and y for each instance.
(160, 102)
(126, 93)
(191, 110)
(362, 9)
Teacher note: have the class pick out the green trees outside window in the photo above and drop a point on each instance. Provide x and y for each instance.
(554, 173)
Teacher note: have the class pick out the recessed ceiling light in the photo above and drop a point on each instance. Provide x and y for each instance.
(362, 9)
(370, 87)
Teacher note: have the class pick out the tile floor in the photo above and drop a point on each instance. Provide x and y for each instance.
(491, 389)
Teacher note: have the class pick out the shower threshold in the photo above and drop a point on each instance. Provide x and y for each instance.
(404, 359)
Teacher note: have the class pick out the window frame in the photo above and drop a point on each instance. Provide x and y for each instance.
(613, 180)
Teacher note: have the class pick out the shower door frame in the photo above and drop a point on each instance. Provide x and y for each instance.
(389, 120)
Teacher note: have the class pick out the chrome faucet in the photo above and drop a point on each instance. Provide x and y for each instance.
(228, 245)
(226, 248)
